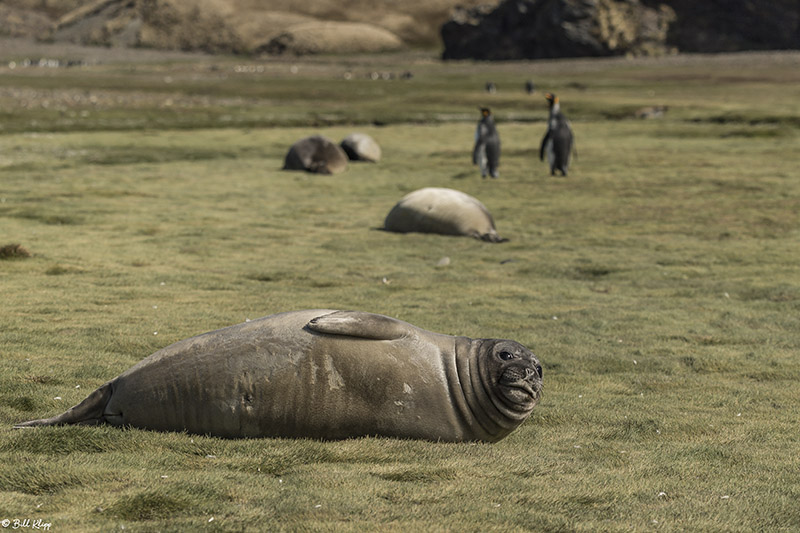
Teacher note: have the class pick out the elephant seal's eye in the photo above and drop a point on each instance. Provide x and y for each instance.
(506, 356)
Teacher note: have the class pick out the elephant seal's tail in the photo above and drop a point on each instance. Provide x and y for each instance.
(88, 412)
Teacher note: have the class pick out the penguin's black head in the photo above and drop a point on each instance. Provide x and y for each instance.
(485, 111)
(551, 98)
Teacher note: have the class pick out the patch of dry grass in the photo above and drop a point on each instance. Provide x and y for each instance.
(13, 251)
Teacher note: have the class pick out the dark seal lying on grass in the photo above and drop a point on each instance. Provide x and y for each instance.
(317, 154)
(443, 211)
(326, 375)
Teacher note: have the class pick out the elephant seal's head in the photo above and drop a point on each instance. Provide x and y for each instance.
(511, 374)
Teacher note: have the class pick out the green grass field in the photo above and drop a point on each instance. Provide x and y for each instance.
(658, 284)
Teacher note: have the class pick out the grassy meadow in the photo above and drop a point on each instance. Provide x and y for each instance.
(658, 284)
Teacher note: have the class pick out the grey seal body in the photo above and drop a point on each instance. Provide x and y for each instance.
(322, 374)
(361, 147)
(317, 154)
(444, 211)
(486, 153)
(558, 141)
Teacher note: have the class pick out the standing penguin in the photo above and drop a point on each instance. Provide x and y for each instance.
(558, 140)
(486, 153)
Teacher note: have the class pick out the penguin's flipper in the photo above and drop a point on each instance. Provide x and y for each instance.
(572, 144)
(544, 142)
(493, 157)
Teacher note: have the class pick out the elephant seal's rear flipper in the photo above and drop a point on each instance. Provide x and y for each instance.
(89, 412)
(361, 324)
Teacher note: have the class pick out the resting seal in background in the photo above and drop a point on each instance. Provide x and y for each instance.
(443, 211)
(326, 375)
(361, 147)
(316, 154)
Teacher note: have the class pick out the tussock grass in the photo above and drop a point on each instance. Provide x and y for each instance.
(13, 251)
(658, 285)
(39, 478)
(69, 440)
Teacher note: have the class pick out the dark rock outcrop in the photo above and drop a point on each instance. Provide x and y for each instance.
(714, 26)
(539, 29)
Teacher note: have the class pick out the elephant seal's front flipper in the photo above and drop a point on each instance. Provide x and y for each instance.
(361, 324)
(89, 412)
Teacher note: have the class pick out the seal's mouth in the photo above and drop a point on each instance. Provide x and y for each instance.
(524, 389)
(521, 385)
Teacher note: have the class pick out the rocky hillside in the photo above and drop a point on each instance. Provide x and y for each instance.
(733, 25)
(536, 29)
(469, 29)
(238, 26)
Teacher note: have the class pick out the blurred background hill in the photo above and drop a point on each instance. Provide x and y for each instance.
(238, 26)
(463, 29)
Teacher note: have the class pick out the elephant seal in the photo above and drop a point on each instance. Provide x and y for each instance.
(316, 154)
(443, 211)
(361, 147)
(322, 374)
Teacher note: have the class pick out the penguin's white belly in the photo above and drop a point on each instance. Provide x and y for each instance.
(482, 160)
(550, 151)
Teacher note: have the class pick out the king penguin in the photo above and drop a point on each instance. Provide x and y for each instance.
(558, 141)
(486, 153)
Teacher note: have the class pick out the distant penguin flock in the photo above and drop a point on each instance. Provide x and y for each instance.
(558, 142)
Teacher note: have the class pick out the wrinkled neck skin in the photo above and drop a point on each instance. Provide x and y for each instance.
(476, 398)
